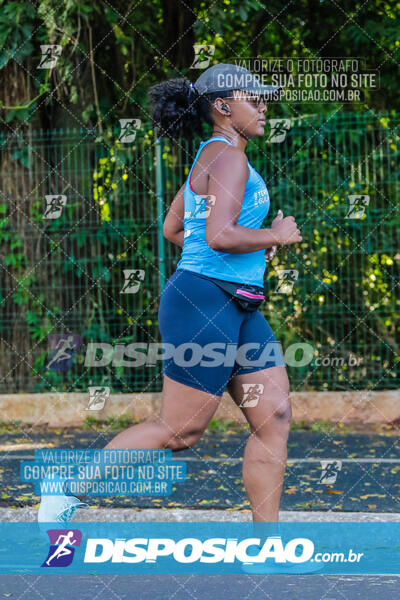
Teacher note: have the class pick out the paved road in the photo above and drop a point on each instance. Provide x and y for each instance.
(369, 479)
(196, 587)
(368, 482)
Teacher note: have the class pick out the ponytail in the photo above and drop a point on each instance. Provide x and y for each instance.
(178, 110)
(175, 109)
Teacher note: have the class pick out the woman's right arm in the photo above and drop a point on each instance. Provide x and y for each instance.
(227, 181)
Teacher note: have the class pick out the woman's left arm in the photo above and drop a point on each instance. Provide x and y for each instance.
(173, 223)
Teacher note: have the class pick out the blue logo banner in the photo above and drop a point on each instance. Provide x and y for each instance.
(207, 547)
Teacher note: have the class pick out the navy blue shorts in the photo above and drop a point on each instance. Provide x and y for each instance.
(207, 338)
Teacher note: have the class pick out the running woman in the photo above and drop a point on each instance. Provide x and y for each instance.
(210, 299)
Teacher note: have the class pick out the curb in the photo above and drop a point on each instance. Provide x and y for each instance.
(186, 515)
(70, 409)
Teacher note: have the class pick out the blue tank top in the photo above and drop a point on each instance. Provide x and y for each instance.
(197, 256)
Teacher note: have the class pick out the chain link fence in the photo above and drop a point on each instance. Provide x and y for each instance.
(82, 251)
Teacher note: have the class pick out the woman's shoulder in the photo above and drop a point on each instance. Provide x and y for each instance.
(219, 159)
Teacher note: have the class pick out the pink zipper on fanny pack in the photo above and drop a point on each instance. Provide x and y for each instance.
(249, 294)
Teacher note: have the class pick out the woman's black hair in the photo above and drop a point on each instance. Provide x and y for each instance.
(178, 110)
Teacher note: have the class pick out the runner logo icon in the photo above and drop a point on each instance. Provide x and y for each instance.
(62, 547)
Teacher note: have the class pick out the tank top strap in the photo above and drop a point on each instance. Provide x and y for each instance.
(218, 138)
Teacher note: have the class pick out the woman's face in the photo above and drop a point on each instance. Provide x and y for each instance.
(247, 113)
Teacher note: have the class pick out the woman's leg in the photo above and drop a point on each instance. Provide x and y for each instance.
(192, 309)
(184, 416)
(265, 454)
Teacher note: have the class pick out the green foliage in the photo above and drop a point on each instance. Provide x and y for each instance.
(111, 55)
(323, 426)
(16, 30)
(110, 424)
(221, 426)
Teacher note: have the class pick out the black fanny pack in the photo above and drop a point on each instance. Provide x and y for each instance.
(248, 297)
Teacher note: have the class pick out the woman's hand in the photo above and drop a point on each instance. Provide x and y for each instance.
(285, 230)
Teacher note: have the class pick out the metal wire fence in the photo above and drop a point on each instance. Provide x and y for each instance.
(82, 252)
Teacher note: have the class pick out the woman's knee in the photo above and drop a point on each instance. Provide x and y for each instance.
(283, 410)
(275, 424)
(276, 395)
(279, 400)
(182, 440)
(179, 439)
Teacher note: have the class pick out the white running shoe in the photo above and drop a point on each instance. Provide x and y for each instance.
(58, 508)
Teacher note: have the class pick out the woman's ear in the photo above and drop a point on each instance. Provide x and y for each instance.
(219, 104)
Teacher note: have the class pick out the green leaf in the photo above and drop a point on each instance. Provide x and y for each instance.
(243, 13)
